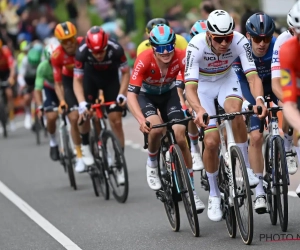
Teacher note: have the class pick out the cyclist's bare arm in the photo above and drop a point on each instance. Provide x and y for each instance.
(124, 80)
(59, 90)
(192, 96)
(135, 108)
(180, 94)
(78, 89)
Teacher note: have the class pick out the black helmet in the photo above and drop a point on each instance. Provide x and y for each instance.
(260, 24)
(154, 22)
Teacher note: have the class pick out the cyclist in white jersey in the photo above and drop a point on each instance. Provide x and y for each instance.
(208, 71)
(276, 88)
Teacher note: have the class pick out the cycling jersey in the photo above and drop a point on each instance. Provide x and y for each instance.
(44, 76)
(275, 60)
(114, 59)
(180, 43)
(6, 59)
(147, 77)
(62, 63)
(263, 66)
(290, 69)
(202, 64)
(27, 73)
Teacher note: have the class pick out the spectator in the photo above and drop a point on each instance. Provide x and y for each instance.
(237, 20)
(44, 29)
(12, 20)
(206, 7)
(72, 11)
(249, 12)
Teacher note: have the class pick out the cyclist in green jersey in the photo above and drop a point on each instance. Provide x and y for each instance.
(44, 81)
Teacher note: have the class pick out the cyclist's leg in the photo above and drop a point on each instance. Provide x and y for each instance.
(230, 98)
(73, 119)
(51, 101)
(171, 110)
(193, 134)
(27, 97)
(148, 104)
(206, 94)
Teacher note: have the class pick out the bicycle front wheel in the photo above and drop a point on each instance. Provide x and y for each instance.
(242, 196)
(115, 166)
(281, 176)
(187, 194)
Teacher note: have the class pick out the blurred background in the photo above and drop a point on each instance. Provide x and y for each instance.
(124, 20)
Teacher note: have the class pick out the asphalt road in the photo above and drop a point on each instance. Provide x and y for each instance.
(92, 223)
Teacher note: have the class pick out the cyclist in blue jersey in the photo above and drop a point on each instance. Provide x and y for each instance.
(260, 28)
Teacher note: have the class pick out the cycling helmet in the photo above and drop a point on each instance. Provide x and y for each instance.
(162, 34)
(154, 22)
(49, 50)
(65, 30)
(198, 27)
(219, 22)
(38, 46)
(293, 17)
(34, 56)
(96, 39)
(260, 24)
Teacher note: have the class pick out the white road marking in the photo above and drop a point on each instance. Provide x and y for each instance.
(38, 219)
(292, 194)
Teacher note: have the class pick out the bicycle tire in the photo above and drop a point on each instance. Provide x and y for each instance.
(228, 210)
(69, 159)
(3, 118)
(271, 199)
(111, 170)
(246, 235)
(184, 183)
(37, 128)
(281, 190)
(98, 175)
(169, 192)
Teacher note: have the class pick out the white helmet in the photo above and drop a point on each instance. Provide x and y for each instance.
(219, 22)
(293, 17)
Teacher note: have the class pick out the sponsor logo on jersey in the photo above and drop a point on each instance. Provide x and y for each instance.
(188, 56)
(240, 40)
(248, 50)
(209, 58)
(137, 69)
(218, 63)
(286, 79)
(174, 68)
(193, 46)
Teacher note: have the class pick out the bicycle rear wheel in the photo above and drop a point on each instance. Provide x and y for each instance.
(169, 192)
(271, 198)
(100, 183)
(37, 129)
(184, 183)
(69, 158)
(242, 195)
(115, 165)
(280, 165)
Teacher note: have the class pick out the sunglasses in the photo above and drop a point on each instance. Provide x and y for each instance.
(69, 40)
(220, 39)
(258, 39)
(168, 47)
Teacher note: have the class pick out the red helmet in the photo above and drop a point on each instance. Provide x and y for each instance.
(96, 39)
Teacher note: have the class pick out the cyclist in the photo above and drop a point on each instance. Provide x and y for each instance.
(153, 86)
(44, 80)
(7, 73)
(181, 43)
(62, 61)
(198, 27)
(290, 73)
(97, 63)
(26, 79)
(209, 57)
(276, 87)
(260, 28)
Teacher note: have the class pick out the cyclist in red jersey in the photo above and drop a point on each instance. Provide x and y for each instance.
(153, 86)
(7, 73)
(289, 54)
(63, 60)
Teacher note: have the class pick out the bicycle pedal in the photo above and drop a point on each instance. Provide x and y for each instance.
(160, 195)
(200, 211)
(261, 211)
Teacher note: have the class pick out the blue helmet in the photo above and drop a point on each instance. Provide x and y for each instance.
(198, 27)
(260, 24)
(162, 34)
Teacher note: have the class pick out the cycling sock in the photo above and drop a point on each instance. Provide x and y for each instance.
(27, 110)
(213, 184)
(244, 148)
(152, 159)
(53, 141)
(298, 153)
(78, 151)
(259, 190)
(194, 143)
(11, 114)
(288, 140)
(84, 139)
